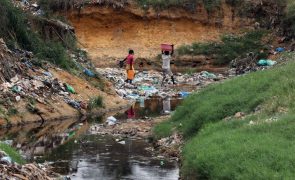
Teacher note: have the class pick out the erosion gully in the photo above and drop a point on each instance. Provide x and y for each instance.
(71, 148)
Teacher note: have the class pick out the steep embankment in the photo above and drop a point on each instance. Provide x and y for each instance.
(107, 33)
(33, 94)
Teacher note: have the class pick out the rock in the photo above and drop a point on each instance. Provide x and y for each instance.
(239, 115)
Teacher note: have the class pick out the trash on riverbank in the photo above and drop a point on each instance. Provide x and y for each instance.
(148, 83)
(266, 62)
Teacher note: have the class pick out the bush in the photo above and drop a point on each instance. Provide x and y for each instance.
(229, 48)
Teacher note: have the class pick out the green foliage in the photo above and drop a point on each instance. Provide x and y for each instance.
(96, 102)
(229, 48)
(15, 156)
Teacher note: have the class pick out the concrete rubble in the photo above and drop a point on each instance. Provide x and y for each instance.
(148, 83)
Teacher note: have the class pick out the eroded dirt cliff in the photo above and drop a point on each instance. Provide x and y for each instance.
(107, 32)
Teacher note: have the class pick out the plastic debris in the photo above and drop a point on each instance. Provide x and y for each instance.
(266, 62)
(184, 94)
(280, 49)
(70, 89)
(6, 160)
(88, 73)
(111, 120)
(122, 142)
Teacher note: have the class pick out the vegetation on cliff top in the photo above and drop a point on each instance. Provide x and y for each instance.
(230, 47)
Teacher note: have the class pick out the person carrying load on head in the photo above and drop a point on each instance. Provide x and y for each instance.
(130, 66)
(166, 58)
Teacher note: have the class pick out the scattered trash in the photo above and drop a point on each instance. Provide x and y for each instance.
(8, 142)
(89, 73)
(47, 74)
(16, 89)
(146, 83)
(280, 49)
(184, 94)
(111, 120)
(122, 142)
(266, 62)
(70, 89)
(6, 160)
(206, 74)
(17, 98)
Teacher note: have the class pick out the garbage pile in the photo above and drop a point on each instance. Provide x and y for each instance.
(148, 83)
(21, 80)
(251, 63)
(29, 5)
(12, 170)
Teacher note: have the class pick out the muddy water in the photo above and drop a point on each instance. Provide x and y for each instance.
(77, 153)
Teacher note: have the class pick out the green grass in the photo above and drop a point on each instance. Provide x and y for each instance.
(233, 149)
(15, 156)
(237, 150)
(230, 47)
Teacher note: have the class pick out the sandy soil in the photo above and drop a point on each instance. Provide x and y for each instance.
(106, 33)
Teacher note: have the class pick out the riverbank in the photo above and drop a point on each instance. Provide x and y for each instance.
(240, 128)
(32, 94)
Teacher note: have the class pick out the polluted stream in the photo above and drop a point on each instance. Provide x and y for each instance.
(72, 150)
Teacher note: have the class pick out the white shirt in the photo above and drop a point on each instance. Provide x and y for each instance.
(166, 61)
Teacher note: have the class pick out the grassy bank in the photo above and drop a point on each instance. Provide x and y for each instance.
(259, 146)
(15, 156)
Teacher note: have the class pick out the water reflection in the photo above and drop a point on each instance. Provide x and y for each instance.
(101, 157)
(150, 108)
(84, 156)
(39, 139)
